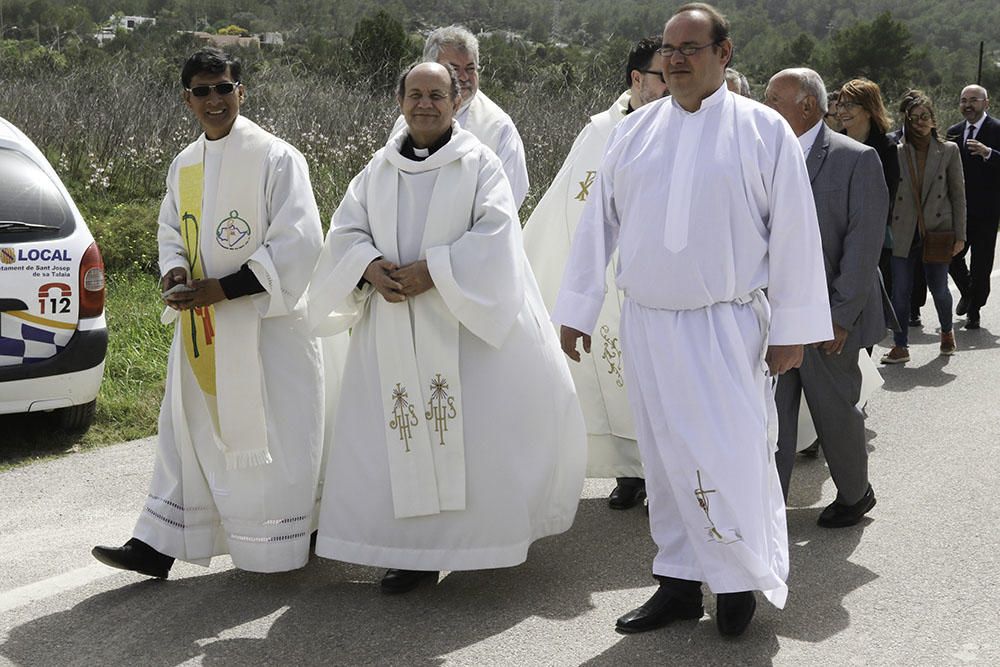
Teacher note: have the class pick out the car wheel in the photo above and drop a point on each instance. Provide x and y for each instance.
(77, 417)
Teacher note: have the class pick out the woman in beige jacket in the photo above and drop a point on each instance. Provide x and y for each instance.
(931, 182)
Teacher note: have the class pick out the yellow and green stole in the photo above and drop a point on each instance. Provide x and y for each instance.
(197, 324)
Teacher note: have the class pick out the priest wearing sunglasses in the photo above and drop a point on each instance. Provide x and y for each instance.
(241, 423)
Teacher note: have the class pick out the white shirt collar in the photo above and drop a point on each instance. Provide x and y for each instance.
(978, 124)
(715, 98)
(809, 138)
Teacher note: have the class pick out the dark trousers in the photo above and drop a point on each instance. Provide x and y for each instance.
(902, 284)
(918, 294)
(974, 281)
(832, 387)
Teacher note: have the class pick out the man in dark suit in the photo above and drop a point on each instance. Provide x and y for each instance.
(978, 139)
(852, 203)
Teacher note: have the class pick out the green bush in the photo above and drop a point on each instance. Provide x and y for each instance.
(126, 235)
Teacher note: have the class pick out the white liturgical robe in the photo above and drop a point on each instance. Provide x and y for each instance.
(461, 440)
(209, 495)
(600, 382)
(493, 126)
(695, 322)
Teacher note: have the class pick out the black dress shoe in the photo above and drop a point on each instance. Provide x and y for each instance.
(665, 606)
(733, 612)
(972, 322)
(915, 321)
(629, 493)
(839, 515)
(963, 306)
(404, 581)
(137, 556)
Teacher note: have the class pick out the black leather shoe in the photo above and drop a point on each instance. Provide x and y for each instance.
(733, 612)
(137, 556)
(963, 306)
(660, 610)
(915, 321)
(839, 515)
(972, 322)
(630, 492)
(404, 581)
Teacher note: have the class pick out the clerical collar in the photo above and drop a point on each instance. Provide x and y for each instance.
(410, 152)
(808, 138)
(629, 109)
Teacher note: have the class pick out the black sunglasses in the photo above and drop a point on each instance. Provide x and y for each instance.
(224, 88)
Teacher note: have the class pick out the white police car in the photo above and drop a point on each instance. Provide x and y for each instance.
(53, 335)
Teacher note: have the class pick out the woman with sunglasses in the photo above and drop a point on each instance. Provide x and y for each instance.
(863, 116)
(930, 200)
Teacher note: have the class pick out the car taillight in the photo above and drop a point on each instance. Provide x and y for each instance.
(91, 283)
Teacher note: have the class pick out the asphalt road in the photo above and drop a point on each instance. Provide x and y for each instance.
(916, 584)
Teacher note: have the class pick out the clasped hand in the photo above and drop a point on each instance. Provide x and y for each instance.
(396, 283)
(204, 292)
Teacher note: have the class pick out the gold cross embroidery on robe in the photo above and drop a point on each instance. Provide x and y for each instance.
(441, 407)
(404, 417)
(701, 494)
(585, 184)
(612, 355)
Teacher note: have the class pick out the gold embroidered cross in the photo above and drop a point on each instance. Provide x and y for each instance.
(403, 415)
(441, 406)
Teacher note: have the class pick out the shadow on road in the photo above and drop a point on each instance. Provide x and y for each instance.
(903, 377)
(33, 435)
(332, 613)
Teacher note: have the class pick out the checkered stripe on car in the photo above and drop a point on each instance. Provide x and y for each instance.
(23, 343)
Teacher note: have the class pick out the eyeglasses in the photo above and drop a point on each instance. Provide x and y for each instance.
(224, 88)
(666, 50)
(654, 72)
(915, 117)
(848, 105)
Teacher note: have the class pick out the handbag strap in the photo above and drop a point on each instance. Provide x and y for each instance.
(916, 191)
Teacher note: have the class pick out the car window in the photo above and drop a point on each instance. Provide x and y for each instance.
(28, 195)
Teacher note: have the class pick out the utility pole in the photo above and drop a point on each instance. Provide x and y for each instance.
(979, 72)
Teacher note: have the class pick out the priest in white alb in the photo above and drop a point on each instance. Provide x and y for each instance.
(241, 423)
(457, 47)
(461, 440)
(706, 197)
(611, 446)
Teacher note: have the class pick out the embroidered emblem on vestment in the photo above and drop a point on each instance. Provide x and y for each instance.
(441, 407)
(233, 232)
(701, 494)
(612, 355)
(404, 417)
(585, 184)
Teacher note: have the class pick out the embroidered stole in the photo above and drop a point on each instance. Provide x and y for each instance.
(221, 342)
(418, 350)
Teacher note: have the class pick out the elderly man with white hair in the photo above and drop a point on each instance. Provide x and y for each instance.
(852, 202)
(454, 45)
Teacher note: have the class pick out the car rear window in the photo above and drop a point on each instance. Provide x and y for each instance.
(27, 194)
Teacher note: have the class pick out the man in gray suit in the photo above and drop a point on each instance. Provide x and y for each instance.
(852, 203)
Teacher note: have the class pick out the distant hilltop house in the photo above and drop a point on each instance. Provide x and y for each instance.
(251, 41)
(107, 32)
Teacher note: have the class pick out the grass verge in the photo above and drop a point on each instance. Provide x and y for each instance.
(129, 401)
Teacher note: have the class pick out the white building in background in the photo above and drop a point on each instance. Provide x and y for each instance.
(107, 32)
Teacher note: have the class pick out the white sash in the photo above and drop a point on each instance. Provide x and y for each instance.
(419, 357)
(230, 235)
(485, 119)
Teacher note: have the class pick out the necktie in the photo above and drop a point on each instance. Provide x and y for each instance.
(972, 131)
